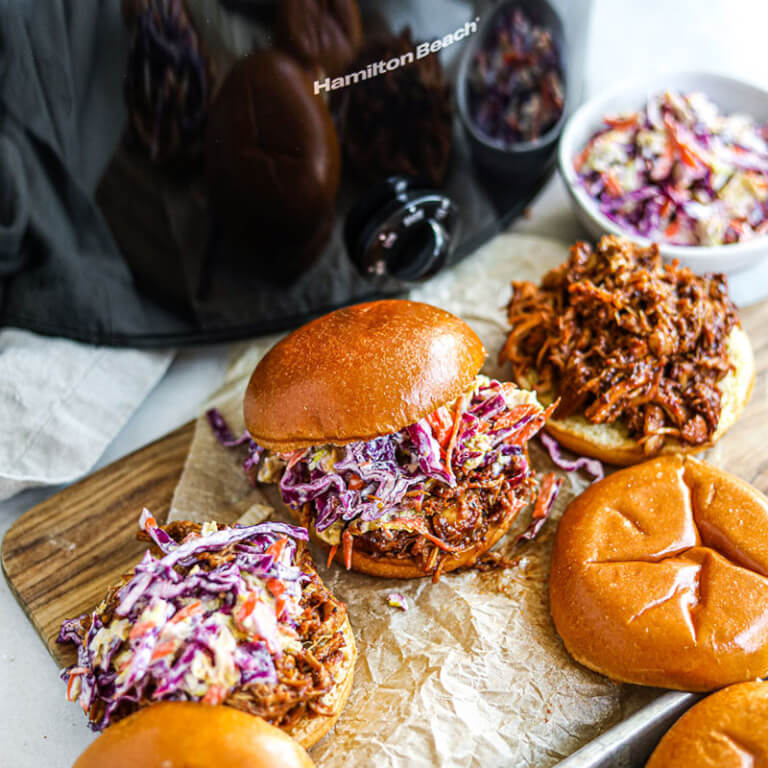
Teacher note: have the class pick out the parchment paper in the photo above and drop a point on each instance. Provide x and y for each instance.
(473, 673)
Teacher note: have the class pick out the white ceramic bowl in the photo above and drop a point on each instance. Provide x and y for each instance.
(728, 94)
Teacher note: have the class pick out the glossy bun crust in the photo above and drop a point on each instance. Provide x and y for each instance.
(728, 729)
(360, 372)
(659, 576)
(192, 735)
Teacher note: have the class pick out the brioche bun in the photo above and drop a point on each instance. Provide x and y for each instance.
(359, 372)
(192, 735)
(659, 576)
(612, 444)
(728, 729)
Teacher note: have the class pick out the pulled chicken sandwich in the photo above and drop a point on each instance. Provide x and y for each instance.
(387, 443)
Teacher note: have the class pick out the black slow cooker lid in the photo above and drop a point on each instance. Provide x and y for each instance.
(101, 244)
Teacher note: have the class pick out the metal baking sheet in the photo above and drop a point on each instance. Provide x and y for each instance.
(629, 744)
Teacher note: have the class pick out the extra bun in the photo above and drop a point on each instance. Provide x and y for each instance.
(611, 442)
(264, 127)
(728, 728)
(192, 735)
(659, 576)
(325, 37)
(358, 373)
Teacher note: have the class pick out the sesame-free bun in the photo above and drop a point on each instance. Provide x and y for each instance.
(611, 442)
(728, 729)
(659, 576)
(360, 372)
(193, 735)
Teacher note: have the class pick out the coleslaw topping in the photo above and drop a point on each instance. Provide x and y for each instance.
(383, 482)
(213, 613)
(680, 171)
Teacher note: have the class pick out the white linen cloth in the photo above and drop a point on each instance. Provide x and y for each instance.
(62, 403)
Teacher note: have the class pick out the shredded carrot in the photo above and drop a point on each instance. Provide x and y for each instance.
(346, 545)
(534, 425)
(581, 158)
(73, 675)
(277, 588)
(672, 229)
(418, 497)
(461, 406)
(441, 423)
(737, 224)
(140, 628)
(332, 554)
(355, 482)
(621, 122)
(188, 610)
(548, 485)
(247, 607)
(688, 154)
(295, 457)
(612, 184)
(214, 694)
(513, 415)
(276, 547)
(166, 648)
(150, 522)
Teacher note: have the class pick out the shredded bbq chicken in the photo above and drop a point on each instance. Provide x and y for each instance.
(617, 335)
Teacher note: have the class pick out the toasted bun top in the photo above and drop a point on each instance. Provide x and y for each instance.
(358, 373)
(659, 576)
(728, 729)
(192, 735)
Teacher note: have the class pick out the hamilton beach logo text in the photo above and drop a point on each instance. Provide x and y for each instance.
(381, 67)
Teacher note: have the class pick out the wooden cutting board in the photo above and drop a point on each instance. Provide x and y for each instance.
(60, 556)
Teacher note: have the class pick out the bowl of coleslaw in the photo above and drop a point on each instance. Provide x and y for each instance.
(512, 89)
(678, 159)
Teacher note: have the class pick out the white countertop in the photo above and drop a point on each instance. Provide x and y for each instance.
(38, 727)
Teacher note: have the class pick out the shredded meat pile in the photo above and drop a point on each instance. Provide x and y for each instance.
(304, 677)
(454, 519)
(618, 335)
